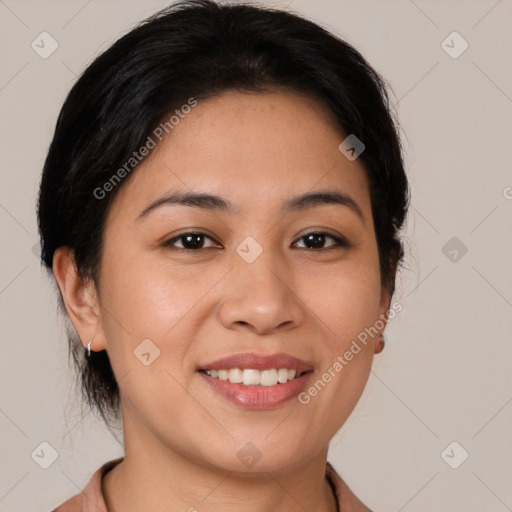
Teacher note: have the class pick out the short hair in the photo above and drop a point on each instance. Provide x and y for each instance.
(199, 49)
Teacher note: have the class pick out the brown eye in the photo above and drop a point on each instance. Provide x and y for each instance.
(189, 241)
(316, 240)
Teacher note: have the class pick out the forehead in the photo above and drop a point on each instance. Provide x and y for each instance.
(248, 147)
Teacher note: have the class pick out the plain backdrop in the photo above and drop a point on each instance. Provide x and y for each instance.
(444, 376)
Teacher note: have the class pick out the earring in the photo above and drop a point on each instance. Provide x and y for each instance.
(89, 348)
(382, 343)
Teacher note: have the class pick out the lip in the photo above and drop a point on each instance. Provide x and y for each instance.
(252, 360)
(257, 397)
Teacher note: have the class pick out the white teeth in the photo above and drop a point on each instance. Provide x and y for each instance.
(282, 375)
(251, 377)
(268, 377)
(235, 375)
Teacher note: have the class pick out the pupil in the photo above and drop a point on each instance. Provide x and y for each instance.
(193, 241)
(316, 240)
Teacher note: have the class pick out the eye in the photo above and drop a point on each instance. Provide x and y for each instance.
(190, 241)
(196, 241)
(316, 240)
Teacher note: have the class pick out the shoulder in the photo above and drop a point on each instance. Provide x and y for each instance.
(91, 498)
(347, 500)
(74, 504)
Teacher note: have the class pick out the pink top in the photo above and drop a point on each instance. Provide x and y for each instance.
(91, 498)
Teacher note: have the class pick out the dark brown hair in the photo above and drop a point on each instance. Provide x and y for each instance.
(198, 49)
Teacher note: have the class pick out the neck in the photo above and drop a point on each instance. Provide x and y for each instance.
(155, 477)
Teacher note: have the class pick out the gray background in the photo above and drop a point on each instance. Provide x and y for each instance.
(445, 373)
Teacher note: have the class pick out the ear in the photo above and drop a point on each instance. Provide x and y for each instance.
(384, 305)
(80, 298)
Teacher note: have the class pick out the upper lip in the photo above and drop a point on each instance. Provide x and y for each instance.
(258, 362)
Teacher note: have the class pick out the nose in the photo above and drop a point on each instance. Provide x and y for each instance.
(260, 297)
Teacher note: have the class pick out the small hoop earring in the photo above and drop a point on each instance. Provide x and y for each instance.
(89, 348)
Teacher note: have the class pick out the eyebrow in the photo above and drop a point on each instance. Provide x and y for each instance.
(216, 203)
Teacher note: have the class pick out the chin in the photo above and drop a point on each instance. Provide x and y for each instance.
(246, 456)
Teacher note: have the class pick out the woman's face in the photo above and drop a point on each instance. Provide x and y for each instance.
(249, 281)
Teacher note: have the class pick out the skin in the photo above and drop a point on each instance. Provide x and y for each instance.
(181, 438)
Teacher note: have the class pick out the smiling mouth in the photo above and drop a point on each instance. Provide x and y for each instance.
(253, 380)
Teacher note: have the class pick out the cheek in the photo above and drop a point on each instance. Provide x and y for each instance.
(344, 300)
(145, 299)
(345, 307)
(148, 301)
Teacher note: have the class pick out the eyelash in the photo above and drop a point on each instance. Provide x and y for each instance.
(340, 242)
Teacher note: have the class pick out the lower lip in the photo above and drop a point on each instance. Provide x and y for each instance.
(257, 397)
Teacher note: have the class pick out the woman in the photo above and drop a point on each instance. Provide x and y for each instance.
(221, 208)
